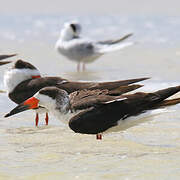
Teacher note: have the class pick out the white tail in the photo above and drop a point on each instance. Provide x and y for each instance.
(114, 47)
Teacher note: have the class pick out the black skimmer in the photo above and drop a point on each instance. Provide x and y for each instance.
(4, 57)
(23, 80)
(84, 50)
(99, 111)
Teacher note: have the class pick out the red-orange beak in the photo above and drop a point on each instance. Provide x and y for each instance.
(31, 103)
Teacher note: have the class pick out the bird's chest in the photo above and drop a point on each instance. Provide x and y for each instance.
(64, 117)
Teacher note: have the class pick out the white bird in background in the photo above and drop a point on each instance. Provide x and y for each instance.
(84, 50)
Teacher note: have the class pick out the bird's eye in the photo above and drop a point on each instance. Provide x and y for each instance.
(73, 27)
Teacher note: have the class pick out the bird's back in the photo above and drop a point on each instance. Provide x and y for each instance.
(80, 50)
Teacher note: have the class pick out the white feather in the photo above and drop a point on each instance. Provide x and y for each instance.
(13, 77)
(51, 105)
(121, 99)
(136, 120)
(114, 47)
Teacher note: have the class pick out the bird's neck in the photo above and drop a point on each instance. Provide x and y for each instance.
(66, 35)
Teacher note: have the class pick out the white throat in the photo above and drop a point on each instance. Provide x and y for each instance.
(13, 77)
(58, 110)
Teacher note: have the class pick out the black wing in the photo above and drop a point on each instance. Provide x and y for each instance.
(84, 99)
(100, 118)
(28, 88)
(4, 57)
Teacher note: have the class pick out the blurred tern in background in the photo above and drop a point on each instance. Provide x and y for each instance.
(83, 50)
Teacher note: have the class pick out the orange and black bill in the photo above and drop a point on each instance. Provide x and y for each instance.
(31, 103)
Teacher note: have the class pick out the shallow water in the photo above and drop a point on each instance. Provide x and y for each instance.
(147, 151)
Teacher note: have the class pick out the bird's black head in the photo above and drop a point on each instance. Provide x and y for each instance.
(73, 26)
(20, 64)
(76, 28)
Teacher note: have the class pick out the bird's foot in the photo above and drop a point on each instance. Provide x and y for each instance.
(99, 136)
(47, 119)
(37, 119)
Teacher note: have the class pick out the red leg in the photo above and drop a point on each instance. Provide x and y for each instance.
(99, 136)
(47, 119)
(37, 119)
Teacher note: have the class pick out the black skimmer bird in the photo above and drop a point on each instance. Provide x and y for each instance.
(23, 80)
(2, 57)
(99, 111)
(84, 50)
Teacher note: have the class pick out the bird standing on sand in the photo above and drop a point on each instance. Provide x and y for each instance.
(83, 50)
(23, 80)
(99, 111)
